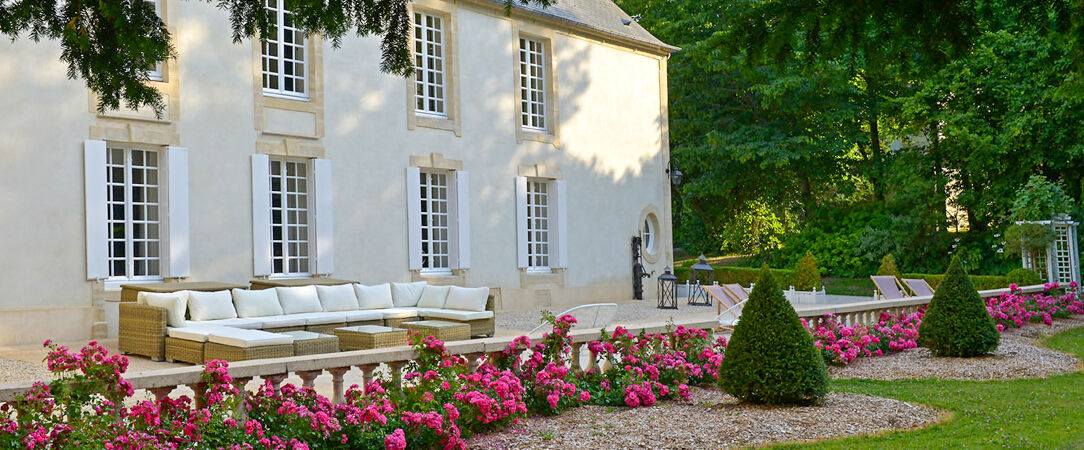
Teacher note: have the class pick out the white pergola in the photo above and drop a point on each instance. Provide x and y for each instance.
(1061, 262)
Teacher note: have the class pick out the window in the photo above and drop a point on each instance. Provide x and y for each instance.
(156, 74)
(648, 235)
(134, 224)
(538, 225)
(284, 55)
(435, 230)
(532, 84)
(289, 218)
(429, 64)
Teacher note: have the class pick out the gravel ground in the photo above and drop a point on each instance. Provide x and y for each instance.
(1018, 356)
(627, 313)
(14, 371)
(690, 425)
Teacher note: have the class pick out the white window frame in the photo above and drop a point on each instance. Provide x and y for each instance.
(127, 205)
(649, 235)
(539, 227)
(533, 85)
(278, 43)
(445, 218)
(290, 247)
(158, 73)
(430, 64)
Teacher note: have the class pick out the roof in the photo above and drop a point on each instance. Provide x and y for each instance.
(598, 15)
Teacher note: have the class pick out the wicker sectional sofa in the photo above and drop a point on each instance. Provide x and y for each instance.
(160, 325)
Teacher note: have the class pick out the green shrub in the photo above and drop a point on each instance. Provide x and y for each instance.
(771, 358)
(888, 266)
(1024, 277)
(741, 275)
(807, 275)
(956, 322)
(980, 282)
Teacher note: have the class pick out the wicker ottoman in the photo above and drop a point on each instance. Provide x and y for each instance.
(309, 343)
(367, 337)
(445, 331)
(233, 344)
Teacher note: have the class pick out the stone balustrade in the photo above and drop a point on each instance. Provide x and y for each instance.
(868, 313)
(161, 383)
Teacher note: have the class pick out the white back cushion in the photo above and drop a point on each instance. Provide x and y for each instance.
(433, 296)
(406, 294)
(299, 299)
(210, 305)
(256, 303)
(374, 297)
(467, 299)
(175, 303)
(337, 298)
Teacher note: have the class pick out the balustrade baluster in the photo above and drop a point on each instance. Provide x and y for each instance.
(338, 394)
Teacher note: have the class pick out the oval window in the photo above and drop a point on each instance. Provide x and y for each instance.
(649, 233)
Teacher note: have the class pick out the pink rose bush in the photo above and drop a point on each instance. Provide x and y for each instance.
(1015, 309)
(441, 400)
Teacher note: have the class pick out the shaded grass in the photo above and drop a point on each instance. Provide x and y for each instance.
(1045, 413)
(849, 286)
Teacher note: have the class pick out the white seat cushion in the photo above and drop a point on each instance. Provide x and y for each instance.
(459, 315)
(433, 296)
(467, 299)
(248, 338)
(256, 302)
(363, 315)
(197, 333)
(398, 313)
(322, 318)
(299, 299)
(337, 298)
(406, 294)
(240, 323)
(424, 312)
(204, 306)
(374, 297)
(175, 304)
(289, 320)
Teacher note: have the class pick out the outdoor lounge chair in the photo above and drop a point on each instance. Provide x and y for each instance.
(726, 298)
(888, 287)
(919, 287)
(589, 317)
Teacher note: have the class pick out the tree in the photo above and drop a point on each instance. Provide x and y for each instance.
(888, 266)
(113, 43)
(957, 323)
(771, 358)
(806, 275)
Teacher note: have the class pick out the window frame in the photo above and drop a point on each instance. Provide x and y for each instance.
(425, 57)
(287, 256)
(539, 251)
(551, 104)
(158, 74)
(129, 222)
(280, 14)
(450, 120)
(426, 221)
(527, 79)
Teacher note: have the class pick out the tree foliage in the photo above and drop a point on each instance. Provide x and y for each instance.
(888, 266)
(806, 275)
(111, 44)
(957, 323)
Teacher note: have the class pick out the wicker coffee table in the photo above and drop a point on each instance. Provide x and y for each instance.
(309, 343)
(367, 337)
(445, 331)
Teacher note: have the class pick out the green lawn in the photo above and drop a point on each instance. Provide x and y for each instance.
(1045, 413)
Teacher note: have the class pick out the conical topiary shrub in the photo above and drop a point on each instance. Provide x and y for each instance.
(888, 266)
(956, 322)
(771, 358)
(807, 275)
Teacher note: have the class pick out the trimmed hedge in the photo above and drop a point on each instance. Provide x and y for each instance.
(771, 358)
(979, 282)
(956, 322)
(787, 277)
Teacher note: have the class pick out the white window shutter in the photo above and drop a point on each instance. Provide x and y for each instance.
(559, 252)
(325, 248)
(414, 217)
(462, 212)
(96, 196)
(177, 212)
(521, 222)
(261, 215)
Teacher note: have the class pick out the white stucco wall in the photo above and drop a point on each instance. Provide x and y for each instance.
(611, 155)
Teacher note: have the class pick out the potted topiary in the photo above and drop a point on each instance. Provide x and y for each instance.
(771, 358)
(807, 277)
(956, 322)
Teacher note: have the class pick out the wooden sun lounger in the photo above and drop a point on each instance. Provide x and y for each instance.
(888, 287)
(725, 298)
(919, 287)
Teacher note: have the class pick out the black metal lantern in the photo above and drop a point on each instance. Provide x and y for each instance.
(667, 290)
(701, 274)
(675, 174)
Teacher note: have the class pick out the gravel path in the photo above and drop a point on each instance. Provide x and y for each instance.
(711, 420)
(627, 313)
(14, 371)
(1018, 356)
